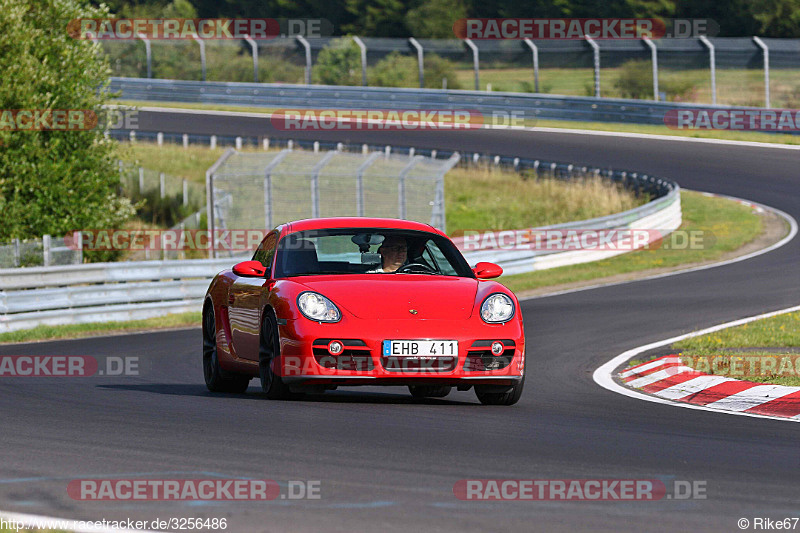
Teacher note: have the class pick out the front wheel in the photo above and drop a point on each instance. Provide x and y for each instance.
(268, 357)
(509, 397)
(217, 380)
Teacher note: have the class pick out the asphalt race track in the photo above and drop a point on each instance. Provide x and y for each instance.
(387, 463)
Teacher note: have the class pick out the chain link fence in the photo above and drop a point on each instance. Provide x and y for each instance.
(47, 251)
(724, 70)
(261, 190)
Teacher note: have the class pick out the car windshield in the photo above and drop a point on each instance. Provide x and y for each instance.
(368, 251)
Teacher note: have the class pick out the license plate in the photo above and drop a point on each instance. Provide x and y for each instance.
(420, 348)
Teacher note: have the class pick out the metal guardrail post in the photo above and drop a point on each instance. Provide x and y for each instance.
(17, 255)
(420, 58)
(210, 200)
(185, 192)
(268, 187)
(475, 62)
(46, 250)
(713, 64)
(596, 50)
(654, 57)
(363, 48)
(765, 50)
(202, 55)
(149, 53)
(535, 53)
(401, 185)
(302, 40)
(315, 212)
(254, 48)
(360, 181)
(162, 184)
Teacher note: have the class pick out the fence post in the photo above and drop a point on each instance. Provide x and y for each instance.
(238, 143)
(141, 181)
(363, 48)
(475, 62)
(185, 192)
(596, 50)
(202, 55)
(654, 58)
(162, 182)
(46, 249)
(17, 255)
(160, 138)
(149, 53)
(213, 142)
(401, 185)
(713, 64)
(307, 47)
(210, 201)
(765, 49)
(254, 48)
(315, 213)
(535, 53)
(268, 187)
(420, 59)
(185, 140)
(360, 181)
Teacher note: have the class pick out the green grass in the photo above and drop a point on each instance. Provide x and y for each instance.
(649, 129)
(731, 224)
(770, 336)
(74, 331)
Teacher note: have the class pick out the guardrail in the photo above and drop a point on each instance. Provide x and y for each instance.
(491, 104)
(134, 290)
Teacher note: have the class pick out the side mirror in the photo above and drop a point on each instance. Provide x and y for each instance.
(249, 269)
(484, 270)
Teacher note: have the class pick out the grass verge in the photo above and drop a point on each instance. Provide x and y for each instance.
(726, 226)
(74, 331)
(764, 351)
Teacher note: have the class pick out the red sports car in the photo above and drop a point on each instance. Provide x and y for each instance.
(362, 301)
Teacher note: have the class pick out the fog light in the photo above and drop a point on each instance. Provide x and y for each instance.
(497, 347)
(335, 347)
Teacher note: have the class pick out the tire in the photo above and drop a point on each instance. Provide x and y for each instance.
(217, 380)
(501, 398)
(429, 391)
(269, 349)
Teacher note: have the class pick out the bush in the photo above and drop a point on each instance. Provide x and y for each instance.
(635, 80)
(399, 70)
(339, 63)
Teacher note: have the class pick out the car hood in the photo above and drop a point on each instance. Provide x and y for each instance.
(394, 296)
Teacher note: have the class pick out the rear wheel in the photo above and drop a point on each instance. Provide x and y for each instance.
(217, 380)
(429, 391)
(268, 357)
(510, 397)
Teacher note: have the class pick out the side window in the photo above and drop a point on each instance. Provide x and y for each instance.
(266, 250)
(434, 255)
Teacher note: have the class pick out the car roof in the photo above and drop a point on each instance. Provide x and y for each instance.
(358, 222)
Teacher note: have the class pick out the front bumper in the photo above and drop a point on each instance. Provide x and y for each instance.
(305, 359)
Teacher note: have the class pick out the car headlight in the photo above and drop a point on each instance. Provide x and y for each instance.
(498, 307)
(316, 307)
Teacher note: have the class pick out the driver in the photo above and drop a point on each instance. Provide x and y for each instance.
(394, 252)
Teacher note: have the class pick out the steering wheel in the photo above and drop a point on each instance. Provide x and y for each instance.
(409, 267)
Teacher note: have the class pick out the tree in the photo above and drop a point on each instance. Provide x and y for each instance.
(339, 63)
(434, 19)
(52, 182)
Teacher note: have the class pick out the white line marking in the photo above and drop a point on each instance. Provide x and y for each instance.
(658, 376)
(603, 376)
(649, 366)
(753, 397)
(693, 386)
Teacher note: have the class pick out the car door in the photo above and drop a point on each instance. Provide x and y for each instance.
(244, 302)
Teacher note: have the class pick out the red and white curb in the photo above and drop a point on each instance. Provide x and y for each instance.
(667, 377)
(748, 400)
